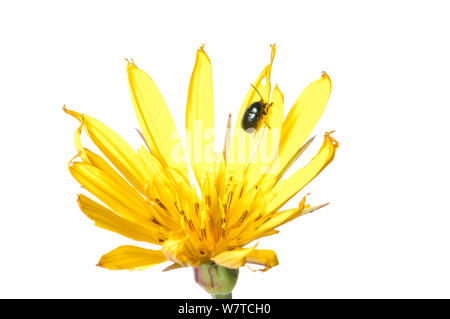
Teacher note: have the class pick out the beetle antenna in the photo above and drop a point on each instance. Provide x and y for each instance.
(257, 92)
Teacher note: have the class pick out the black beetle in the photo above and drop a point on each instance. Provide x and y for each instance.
(254, 114)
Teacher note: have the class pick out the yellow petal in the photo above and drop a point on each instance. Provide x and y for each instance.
(200, 117)
(263, 89)
(265, 158)
(131, 258)
(90, 157)
(306, 210)
(107, 219)
(238, 257)
(280, 170)
(280, 218)
(111, 176)
(262, 257)
(155, 120)
(232, 258)
(269, 222)
(182, 251)
(270, 233)
(165, 176)
(285, 189)
(302, 118)
(121, 155)
(152, 165)
(119, 196)
(242, 144)
(173, 267)
(267, 228)
(276, 111)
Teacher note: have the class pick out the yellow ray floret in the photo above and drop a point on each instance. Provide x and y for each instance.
(240, 256)
(155, 120)
(131, 258)
(107, 219)
(200, 117)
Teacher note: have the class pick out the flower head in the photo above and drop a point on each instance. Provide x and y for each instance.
(147, 195)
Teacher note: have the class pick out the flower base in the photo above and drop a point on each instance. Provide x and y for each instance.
(217, 280)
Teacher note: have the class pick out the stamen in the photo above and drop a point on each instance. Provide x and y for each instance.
(154, 220)
(222, 229)
(191, 225)
(258, 217)
(203, 233)
(241, 219)
(230, 197)
(160, 204)
(240, 193)
(197, 208)
(176, 206)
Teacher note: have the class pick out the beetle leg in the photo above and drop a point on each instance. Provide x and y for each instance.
(266, 110)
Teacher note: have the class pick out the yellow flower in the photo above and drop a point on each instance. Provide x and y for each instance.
(147, 194)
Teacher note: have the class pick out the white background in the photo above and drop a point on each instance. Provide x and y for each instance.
(386, 232)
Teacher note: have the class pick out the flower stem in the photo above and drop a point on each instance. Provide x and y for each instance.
(224, 296)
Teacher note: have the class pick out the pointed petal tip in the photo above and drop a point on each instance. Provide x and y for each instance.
(272, 55)
(172, 267)
(130, 64)
(312, 209)
(261, 270)
(273, 49)
(65, 109)
(201, 51)
(75, 114)
(331, 139)
(277, 90)
(324, 76)
(166, 269)
(71, 161)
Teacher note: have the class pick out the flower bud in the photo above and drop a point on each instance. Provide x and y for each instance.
(217, 280)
